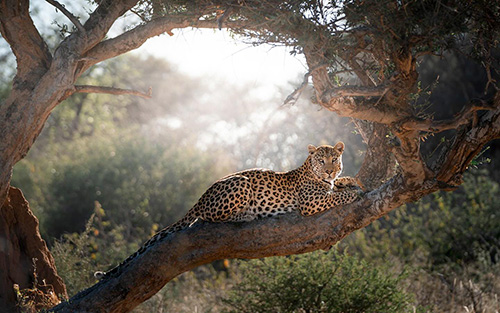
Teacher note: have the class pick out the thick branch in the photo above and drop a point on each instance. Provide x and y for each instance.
(137, 36)
(341, 99)
(206, 242)
(379, 163)
(355, 91)
(428, 125)
(112, 90)
(68, 14)
(363, 109)
(17, 28)
(100, 21)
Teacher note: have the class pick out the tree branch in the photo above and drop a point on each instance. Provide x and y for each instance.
(16, 26)
(429, 125)
(137, 36)
(94, 29)
(112, 90)
(68, 14)
(355, 91)
(379, 163)
(293, 97)
(206, 242)
(467, 144)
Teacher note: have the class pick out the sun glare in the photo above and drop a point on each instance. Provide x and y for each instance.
(213, 54)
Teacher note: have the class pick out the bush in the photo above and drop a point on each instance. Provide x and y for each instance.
(317, 282)
(138, 181)
(74, 259)
(444, 228)
(451, 240)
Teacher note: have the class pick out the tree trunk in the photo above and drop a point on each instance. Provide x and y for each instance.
(25, 259)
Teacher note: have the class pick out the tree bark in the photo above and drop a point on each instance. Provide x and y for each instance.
(25, 259)
(206, 242)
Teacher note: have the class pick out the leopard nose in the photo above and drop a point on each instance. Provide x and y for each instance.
(329, 171)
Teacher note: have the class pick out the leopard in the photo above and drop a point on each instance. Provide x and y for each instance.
(244, 196)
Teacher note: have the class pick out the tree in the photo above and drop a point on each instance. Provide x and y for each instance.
(363, 60)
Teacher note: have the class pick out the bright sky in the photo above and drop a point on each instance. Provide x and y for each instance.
(213, 54)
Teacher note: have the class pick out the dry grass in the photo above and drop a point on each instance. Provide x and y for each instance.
(469, 292)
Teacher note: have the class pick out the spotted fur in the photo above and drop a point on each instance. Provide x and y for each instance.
(244, 196)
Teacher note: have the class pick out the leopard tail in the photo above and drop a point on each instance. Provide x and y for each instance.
(181, 224)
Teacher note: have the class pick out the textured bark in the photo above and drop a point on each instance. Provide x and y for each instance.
(21, 247)
(379, 163)
(207, 242)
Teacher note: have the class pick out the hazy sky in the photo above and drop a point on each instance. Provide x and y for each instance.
(215, 55)
(202, 53)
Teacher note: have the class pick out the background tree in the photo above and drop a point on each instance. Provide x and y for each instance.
(377, 43)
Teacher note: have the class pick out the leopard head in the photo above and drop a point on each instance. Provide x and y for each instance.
(326, 161)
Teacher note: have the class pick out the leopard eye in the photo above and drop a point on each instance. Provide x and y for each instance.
(322, 162)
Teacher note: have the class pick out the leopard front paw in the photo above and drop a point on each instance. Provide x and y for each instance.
(347, 182)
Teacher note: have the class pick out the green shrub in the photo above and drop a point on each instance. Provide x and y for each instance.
(445, 228)
(74, 260)
(138, 181)
(317, 282)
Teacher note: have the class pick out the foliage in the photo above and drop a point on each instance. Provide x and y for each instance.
(199, 290)
(444, 228)
(379, 34)
(141, 184)
(317, 282)
(75, 263)
(452, 240)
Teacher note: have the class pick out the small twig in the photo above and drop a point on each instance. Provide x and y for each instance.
(381, 96)
(68, 14)
(139, 15)
(294, 96)
(221, 19)
(113, 91)
(491, 80)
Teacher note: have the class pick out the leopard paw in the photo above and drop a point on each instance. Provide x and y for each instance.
(347, 182)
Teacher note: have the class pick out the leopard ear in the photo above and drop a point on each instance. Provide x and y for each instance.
(339, 146)
(311, 149)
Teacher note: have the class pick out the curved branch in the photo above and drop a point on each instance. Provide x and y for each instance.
(137, 36)
(428, 125)
(206, 242)
(467, 144)
(355, 91)
(364, 109)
